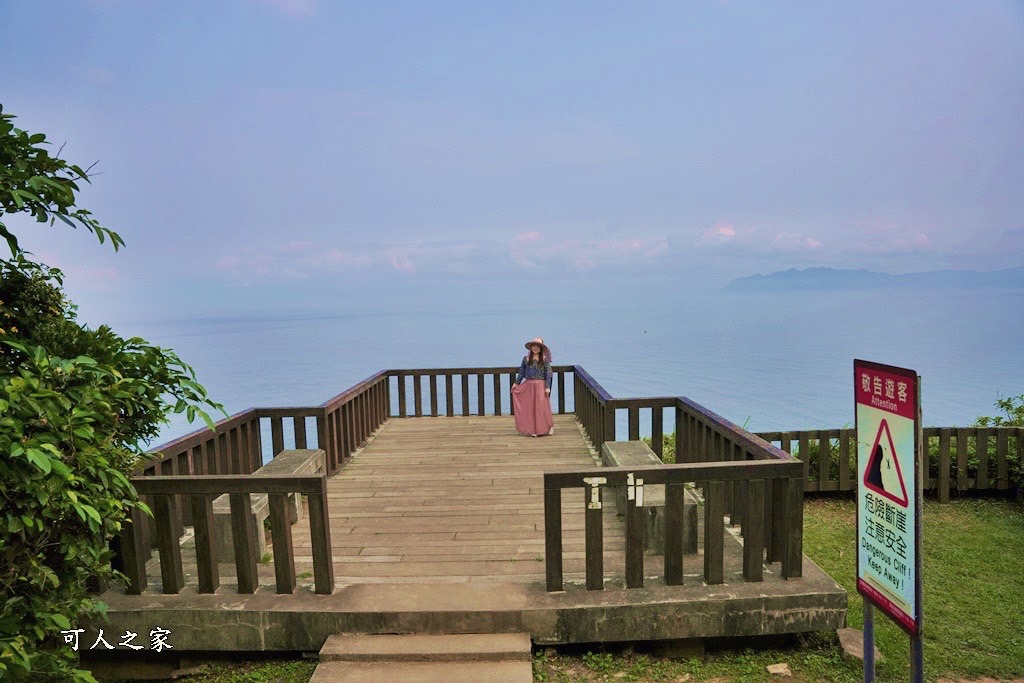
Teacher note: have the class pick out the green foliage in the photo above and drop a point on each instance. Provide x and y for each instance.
(298, 671)
(599, 662)
(43, 186)
(65, 492)
(1013, 407)
(668, 446)
(76, 409)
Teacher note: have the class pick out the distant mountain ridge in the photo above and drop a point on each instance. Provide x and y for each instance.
(834, 278)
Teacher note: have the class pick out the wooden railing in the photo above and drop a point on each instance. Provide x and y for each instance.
(200, 490)
(710, 450)
(348, 419)
(782, 537)
(591, 408)
(487, 394)
(957, 458)
(343, 423)
(757, 484)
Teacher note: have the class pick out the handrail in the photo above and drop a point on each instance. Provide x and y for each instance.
(334, 401)
(201, 490)
(760, 479)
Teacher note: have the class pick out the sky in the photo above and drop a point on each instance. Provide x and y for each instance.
(307, 155)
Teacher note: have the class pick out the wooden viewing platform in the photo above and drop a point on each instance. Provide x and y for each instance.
(449, 524)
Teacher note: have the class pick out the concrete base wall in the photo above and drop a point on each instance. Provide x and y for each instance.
(302, 622)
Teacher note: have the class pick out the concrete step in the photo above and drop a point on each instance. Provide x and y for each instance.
(423, 647)
(423, 672)
(423, 658)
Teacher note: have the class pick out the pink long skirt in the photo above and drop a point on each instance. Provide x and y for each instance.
(533, 408)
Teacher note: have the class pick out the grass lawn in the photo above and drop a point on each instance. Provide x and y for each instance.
(973, 566)
(973, 609)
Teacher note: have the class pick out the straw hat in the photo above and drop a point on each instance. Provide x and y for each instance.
(544, 350)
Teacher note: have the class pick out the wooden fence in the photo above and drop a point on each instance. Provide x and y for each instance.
(958, 459)
(201, 490)
(757, 484)
(767, 487)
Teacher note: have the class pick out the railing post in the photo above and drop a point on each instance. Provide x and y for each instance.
(943, 480)
(281, 535)
(1002, 453)
(681, 434)
(824, 459)
(635, 536)
(594, 537)
(805, 457)
(657, 429)
(206, 547)
(480, 394)
(608, 430)
(323, 440)
(276, 436)
(133, 558)
(171, 574)
(417, 394)
(244, 536)
(432, 378)
(792, 559)
(982, 453)
(401, 394)
(845, 480)
(320, 533)
(553, 538)
(753, 531)
(962, 482)
(224, 455)
(449, 395)
(561, 392)
(674, 501)
(497, 393)
(714, 531)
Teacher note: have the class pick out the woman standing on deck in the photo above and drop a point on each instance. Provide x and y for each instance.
(531, 391)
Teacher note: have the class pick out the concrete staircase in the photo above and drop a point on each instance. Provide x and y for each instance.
(423, 658)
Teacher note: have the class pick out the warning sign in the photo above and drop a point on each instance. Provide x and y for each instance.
(888, 495)
(883, 474)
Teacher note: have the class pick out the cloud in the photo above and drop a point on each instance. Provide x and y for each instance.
(887, 238)
(785, 241)
(719, 232)
(522, 253)
(745, 241)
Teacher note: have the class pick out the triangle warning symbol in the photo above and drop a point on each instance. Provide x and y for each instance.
(883, 474)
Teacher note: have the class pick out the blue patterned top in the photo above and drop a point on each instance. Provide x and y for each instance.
(528, 371)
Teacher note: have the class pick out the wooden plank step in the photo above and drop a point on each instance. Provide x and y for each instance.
(423, 672)
(424, 647)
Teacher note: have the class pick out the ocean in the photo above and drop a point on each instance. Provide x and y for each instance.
(769, 361)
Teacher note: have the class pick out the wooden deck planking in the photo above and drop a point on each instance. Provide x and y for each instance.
(450, 499)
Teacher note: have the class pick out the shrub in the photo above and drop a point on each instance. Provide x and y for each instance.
(76, 408)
